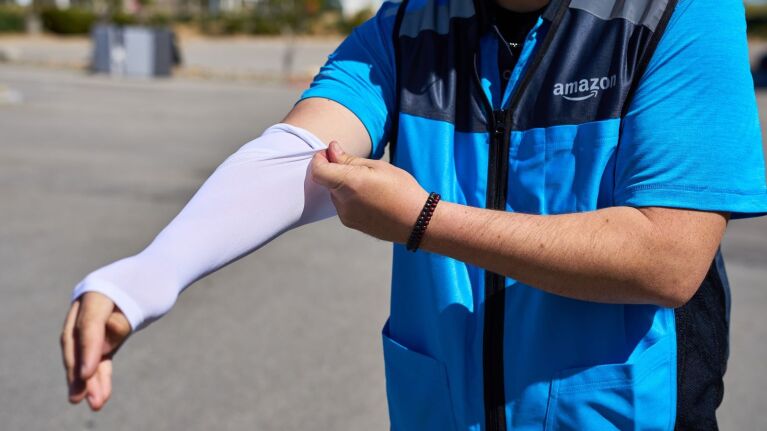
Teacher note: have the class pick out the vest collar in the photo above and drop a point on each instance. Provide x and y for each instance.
(484, 10)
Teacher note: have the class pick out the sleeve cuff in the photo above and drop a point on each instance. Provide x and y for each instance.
(127, 305)
(741, 205)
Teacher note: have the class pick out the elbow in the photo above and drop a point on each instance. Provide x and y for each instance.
(670, 275)
(677, 297)
(674, 289)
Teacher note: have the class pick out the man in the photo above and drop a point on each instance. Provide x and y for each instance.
(588, 154)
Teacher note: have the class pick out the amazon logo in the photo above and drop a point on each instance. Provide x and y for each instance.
(585, 89)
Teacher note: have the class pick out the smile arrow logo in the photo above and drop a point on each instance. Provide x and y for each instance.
(582, 98)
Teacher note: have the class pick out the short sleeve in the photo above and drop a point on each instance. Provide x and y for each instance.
(691, 138)
(360, 75)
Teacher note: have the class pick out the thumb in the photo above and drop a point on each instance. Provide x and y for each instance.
(94, 312)
(336, 154)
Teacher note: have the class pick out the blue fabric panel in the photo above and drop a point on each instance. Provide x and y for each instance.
(435, 302)
(691, 138)
(414, 380)
(591, 359)
(639, 394)
(433, 313)
(360, 75)
(562, 169)
(445, 160)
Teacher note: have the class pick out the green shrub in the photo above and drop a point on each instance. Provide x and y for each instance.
(67, 21)
(160, 20)
(122, 19)
(272, 17)
(217, 25)
(346, 25)
(11, 19)
(184, 17)
(265, 25)
(240, 23)
(756, 19)
(155, 20)
(234, 23)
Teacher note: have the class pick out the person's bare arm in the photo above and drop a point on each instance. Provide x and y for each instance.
(95, 327)
(331, 121)
(615, 255)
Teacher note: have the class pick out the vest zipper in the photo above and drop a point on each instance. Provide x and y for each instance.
(500, 125)
(492, 350)
(495, 292)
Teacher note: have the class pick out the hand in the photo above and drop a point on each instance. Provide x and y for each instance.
(93, 331)
(370, 196)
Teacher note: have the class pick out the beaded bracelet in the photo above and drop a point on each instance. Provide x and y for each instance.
(423, 222)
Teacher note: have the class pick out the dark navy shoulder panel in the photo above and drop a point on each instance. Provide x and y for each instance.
(594, 60)
(648, 13)
(437, 40)
(587, 72)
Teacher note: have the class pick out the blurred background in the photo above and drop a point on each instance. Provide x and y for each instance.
(93, 165)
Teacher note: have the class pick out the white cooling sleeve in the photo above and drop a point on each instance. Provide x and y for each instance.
(258, 193)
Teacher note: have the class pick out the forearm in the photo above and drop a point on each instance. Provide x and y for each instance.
(255, 195)
(614, 255)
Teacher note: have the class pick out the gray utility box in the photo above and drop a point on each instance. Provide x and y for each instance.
(132, 51)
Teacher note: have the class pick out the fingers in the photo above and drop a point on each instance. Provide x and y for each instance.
(106, 380)
(118, 329)
(326, 174)
(99, 386)
(93, 330)
(68, 345)
(331, 167)
(90, 326)
(336, 154)
(67, 342)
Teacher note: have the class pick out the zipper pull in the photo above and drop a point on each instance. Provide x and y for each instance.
(499, 126)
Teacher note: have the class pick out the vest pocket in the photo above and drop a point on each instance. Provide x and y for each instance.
(417, 389)
(577, 174)
(637, 395)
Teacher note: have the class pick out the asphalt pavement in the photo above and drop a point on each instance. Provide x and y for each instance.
(285, 339)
